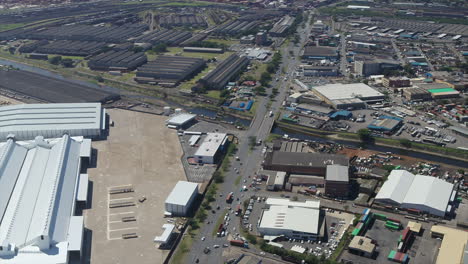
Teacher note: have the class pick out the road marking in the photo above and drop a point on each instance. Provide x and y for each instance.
(118, 186)
(131, 212)
(121, 229)
(116, 199)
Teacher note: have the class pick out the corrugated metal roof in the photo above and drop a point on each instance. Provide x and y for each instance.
(411, 191)
(45, 172)
(396, 186)
(30, 120)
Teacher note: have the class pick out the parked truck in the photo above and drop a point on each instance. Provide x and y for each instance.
(229, 197)
(239, 243)
(238, 210)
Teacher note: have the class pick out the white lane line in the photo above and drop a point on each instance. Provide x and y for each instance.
(131, 212)
(116, 199)
(118, 186)
(121, 229)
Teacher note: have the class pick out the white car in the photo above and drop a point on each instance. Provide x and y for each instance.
(216, 246)
(203, 238)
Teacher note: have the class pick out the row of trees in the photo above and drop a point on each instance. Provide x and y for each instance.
(56, 60)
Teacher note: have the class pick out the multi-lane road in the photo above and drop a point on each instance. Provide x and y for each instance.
(250, 159)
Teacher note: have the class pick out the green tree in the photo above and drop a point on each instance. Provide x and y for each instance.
(405, 143)
(224, 93)
(159, 48)
(55, 60)
(67, 63)
(364, 135)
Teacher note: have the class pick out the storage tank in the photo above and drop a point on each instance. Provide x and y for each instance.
(167, 110)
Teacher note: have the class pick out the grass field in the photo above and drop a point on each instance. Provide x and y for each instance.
(5, 27)
(187, 85)
(214, 94)
(184, 247)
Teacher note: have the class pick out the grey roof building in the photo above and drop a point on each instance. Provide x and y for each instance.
(305, 163)
(224, 72)
(39, 187)
(52, 120)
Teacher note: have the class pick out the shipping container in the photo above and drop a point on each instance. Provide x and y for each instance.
(413, 211)
(393, 227)
(391, 255)
(356, 232)
(394, 220)
(406, 234)
(380, 216)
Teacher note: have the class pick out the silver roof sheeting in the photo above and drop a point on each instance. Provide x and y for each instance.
(37, 190)
(51, 120)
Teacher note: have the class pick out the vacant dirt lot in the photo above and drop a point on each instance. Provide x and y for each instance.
(142, 154)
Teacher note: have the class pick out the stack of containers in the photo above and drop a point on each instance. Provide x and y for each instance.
(397, 257)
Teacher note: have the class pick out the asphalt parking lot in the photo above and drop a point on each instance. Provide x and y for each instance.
(143, 155)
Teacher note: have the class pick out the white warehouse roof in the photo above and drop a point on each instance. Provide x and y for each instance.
(396, 187)
(182, 193)
(51, 120)
(38, 189)
(180, 119)
(211, 144)
(292, 216)
(164, 237)
(420, 192)
(285, 202)
(337, 91)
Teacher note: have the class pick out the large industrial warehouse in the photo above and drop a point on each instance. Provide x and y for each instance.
(343, 96)
(297, 220)
(417, 192)
(72, 48)
(52, 90)
(300, 162)
(39, 188)
(224, 72)
(235, 27)
(180, 200)
(169, 37)
(169, 70)
(117, 60)
(185, 20)
(109, 34)
(27, 121)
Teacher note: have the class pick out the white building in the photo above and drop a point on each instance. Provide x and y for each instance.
(342, 96)
(423, 193)
(52, 120)
(180, 120)
(39, 187)
(298, 220)
(180, 200)
(211, 148)
(165, 238)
